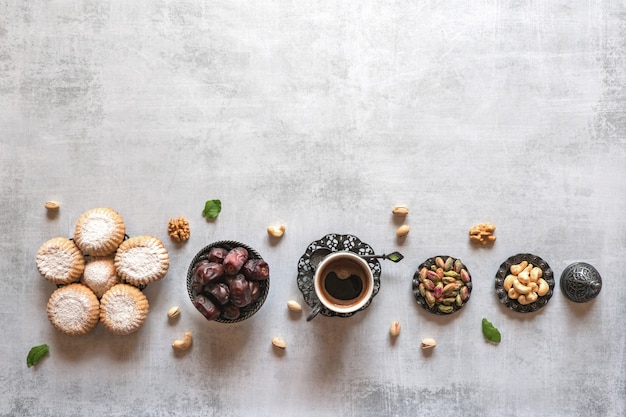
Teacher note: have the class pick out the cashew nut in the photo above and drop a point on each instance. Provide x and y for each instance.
(276, 231)
(543, 287)
(535, 274)
(183, 343)
(508, 282)
(531, 297)
(523, 277)
(516, 269)
(520, 288)
(525, 284)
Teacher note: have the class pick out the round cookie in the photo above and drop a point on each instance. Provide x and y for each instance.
(99, 231)
(99, 274)
(73, 309)
(142, 260)
(60, 261)
(123, 309)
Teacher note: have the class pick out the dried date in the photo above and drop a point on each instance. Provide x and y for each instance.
(234, 260)
(256, 270)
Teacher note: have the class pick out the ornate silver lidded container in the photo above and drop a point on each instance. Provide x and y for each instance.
(580, 282)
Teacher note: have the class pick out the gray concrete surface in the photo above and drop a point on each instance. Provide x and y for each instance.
(321, 115)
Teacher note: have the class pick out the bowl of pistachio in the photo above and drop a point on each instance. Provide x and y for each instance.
(442, 285)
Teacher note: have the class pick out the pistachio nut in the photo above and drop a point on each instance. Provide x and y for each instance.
(400, 210)
(428, 343)
(448, 265)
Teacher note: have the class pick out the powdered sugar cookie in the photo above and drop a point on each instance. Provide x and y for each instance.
(60, 261)
(142, 260)
(99, 231)
(123, 309)
(73, 309)
(99, 274)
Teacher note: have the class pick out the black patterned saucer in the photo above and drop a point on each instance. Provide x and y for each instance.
(317, 250)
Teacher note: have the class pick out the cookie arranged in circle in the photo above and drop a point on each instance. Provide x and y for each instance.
(142, 260)
(73, 309)
(123, 309)
(100, 274)
(99, 231)
(60, 261)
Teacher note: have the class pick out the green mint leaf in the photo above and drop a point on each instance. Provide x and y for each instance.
(212, 208)
(490, 332)
(35, 354)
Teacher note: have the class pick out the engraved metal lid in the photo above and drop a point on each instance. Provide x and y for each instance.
(580, 282)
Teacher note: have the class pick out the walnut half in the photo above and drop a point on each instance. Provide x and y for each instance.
(178, 229)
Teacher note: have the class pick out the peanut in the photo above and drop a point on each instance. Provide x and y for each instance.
(279, 343)
(183, 343)
(276, 231)
(394, 329)
(403, 230)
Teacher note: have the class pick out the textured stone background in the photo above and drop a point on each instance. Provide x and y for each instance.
(321, 115)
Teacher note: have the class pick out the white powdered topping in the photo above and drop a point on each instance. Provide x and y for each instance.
(122, 311)
(99, 275)
(98, 272)
(140, 262)
(70, 310)
(97, 227)
(57, 263)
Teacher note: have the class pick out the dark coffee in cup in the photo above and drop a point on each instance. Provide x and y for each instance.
(344, 282)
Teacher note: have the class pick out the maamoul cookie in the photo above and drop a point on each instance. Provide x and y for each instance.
(142, 260)
(123, 309)
(99, 231)
(73, 309)
(99, 274)
(60, 261)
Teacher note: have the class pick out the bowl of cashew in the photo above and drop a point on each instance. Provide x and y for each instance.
(524, 283)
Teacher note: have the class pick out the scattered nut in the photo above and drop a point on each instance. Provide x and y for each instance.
(400, 210)
(183, 343)
(482, 233)
(428, 343)
(173, 312)
(276, 231)
(294, 305)
(279, 343)
(403, 230)
(52, 205)
(394, 329)
(178, 229)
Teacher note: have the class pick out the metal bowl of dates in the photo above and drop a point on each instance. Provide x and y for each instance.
(228, 281)
(442, 285)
